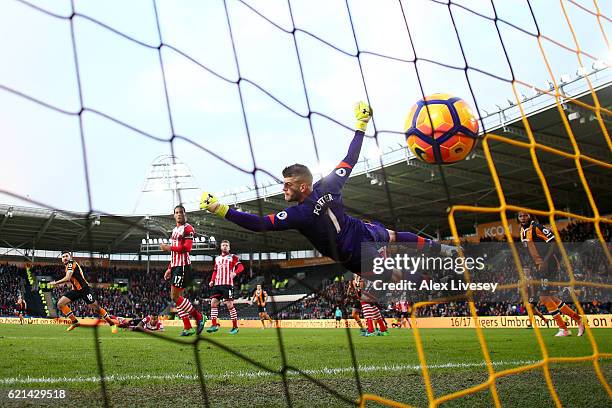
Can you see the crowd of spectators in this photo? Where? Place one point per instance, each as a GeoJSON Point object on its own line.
{"type": "Point", "coordinates": [143, 293]}
{"type": "Point", "coordinates": [147, 292]}
{"type": "Point", "coordinates": [588, 261]}
{"type": "Point", "coordinates": [11, 285]}
{"type": "Point", "coordinates": [323, 304]}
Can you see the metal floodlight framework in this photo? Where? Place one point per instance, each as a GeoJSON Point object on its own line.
{"type": "Point", "coordinates": [168, 173]}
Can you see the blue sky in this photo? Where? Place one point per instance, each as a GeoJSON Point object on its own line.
{"type": "Point", "coordinates": [42, 156]}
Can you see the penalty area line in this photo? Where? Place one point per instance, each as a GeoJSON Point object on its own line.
{"type": "Point", "coordinates": [249, 374]}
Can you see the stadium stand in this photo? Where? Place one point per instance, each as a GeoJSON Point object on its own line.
{"type": "Point", "coordinates": [12, 281]}
{"type": "Point", "coordinates": [322, 286]}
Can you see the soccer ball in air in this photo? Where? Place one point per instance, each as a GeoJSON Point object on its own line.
{"type": "Point", "coordinates": [453, 133]}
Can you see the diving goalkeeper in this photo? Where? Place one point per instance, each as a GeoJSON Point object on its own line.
{"type": "Point", "coordinates": [320, 214]}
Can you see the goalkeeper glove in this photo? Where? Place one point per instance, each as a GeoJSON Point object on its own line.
{"type": "Point", "coordinates": [210, 203]}
{"type": "Point", "coordinates": [363, 113]}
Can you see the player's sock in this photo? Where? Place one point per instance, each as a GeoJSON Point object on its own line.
{"type": "Point", "coordinates": [104, 315]}
{"type": "Point", "coordinates": [370, 324]}
{"type": "Point", "coordinates": [566, 310]}
{"type": "Point", "coordinates": [551, 306]}
{"type": "Point", "coordinates": [422, 243]}
{"type": "Point", "coordinates": [214, 312]}
{"type": "Point", "coordinates": [558, 319]}
{"type": "Point", "coordinates": [185, 305]}
{"type": "Point", "coordinates": [381, 322]}
{"type": "Point", "coordinates": [185, 317]}
{"type": "Point", "coordinates": [68, 313]}
{"type": "Point", "coordinates": [234, 316]}
{"type": "Point", "coordinates": [368, 313]}
{"type": "Point", "coordinates": [262, 323]}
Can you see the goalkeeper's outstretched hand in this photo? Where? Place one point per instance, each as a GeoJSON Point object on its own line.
{"type": "Point", "coordinates": [363, 114]}
{"type": "Point", "coordinates": [210, 203]}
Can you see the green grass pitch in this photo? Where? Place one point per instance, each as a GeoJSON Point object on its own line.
{"type": "Point", "coordinates": [143, 370]}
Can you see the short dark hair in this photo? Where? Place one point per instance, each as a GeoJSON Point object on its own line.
{"type": "Point", "coordinates": [179, 206]}
{"type": "Point", "coordinates": [298, 170]}
{"type": "Point", "coordinates": [65, 251]}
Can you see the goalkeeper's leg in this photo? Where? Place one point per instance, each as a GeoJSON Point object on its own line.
{"type": "Point", "coordinates": [421, 243]}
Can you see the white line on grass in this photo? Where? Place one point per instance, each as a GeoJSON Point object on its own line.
{"type": "Point", "coordinates": [64, 338]}
{"type": "Point", "coordinates": [249, 374]}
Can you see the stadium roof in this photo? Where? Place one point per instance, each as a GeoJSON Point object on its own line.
{"type": "Point", "coordinates": [406, 193]}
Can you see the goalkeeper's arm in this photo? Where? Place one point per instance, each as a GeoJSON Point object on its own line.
{"type": "Point", "coordinates": [336, 179]}
{"type": "Point", "coordinates": [284, 220]}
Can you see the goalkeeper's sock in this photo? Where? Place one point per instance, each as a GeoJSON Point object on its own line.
{"type": "Point", "coordinates": [68, 313]}
{"type": "Point", "coordinates": [422, 243]}
{"type": "Point", "coordinates": [566, 310]}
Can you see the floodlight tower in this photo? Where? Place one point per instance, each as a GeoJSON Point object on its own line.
{"type": "Point", "coordinates": [168, 175]}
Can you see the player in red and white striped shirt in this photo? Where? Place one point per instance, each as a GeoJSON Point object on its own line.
{"type": "Point", "coordinates": [180, 270]}
{"type": "Point", "coordinates": [227, 267]}
{"type": "Point", "coordinates": [150, 323]}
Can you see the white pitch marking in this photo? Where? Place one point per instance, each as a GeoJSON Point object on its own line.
{"type": "Point", "coordinates": [249, 374]}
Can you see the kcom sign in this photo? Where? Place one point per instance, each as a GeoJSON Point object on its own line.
{"type": "Point", "coordinates": [496, 230]}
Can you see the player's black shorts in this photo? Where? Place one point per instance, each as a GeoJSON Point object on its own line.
{"type": "Point", "coordinates": [181, 276]}
{"type": "Point", "coordinates": [405, 315]}
{"type": "Point", "coordinates": [357, 304]}
{"type": "Point", "coordinates": [338, 318]}
{"type": "Point", "coordinates": [261, 309]}
{"type": "Point", "coordinates": [86, 294]}
{"type": "Point", "coordinates": [549, 273]}
{"type": "Point", "coordinates": [225, 292]}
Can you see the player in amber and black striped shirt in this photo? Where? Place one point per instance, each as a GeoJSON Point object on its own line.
{"type": "Point", "coordinates": [21, 309]}
{"type": "Point", "coordinates": [540, 243]}
{"type": "Point", "coordinates": [260, 297]}
{"type": "Point", "coordinates": [80, 290]}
